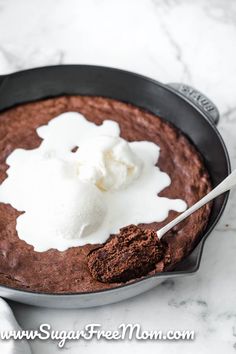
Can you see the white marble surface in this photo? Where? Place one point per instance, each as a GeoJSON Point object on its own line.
{"type": "Point", "coordinates": [173, 40]}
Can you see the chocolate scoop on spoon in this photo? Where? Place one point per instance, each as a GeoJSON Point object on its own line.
{"type": "Point", "coordinates": [134, 252]}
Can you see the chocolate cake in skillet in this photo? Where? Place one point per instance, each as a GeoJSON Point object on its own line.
{"type": "Point", "coordinates": [67, 271]}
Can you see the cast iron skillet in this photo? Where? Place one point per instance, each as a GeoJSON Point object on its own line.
{"type": "Point", "coordinates": [183, 106]}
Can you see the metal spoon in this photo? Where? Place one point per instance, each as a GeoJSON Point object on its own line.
{"type": "Point", "coordinates": [131, 258]}
{"type": "Point", "coordinates": [227, 184]}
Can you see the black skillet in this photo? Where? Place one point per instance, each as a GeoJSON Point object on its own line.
{"type": "Point", "coordinates": [186, 108]}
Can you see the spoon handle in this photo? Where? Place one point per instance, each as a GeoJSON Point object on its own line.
{"type": "Point", "coordinates": [228, 183]}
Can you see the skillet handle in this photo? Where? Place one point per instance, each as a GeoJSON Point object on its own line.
{"type": "Point", "coordinates": [198, 100]}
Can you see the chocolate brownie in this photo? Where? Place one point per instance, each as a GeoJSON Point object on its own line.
{"type": "Point", "coordinates": [132, 253]}
{"type": "Point", "coordinates": [65, 272]}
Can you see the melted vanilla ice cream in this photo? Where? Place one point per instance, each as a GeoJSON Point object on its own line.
{"type": "Point", "coordinates": [73, 198]}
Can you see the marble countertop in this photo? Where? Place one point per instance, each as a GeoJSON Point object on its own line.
{"type": "Point", "coordinates": [193, 42]}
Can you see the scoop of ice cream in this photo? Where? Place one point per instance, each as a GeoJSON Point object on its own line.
{"type": "Point", "coordinates": [58, 207]}
{"type": "Point", "coordinates": [108, 162]}
{"type": "Point", "coordinates": [79, 213]}
{"type": "Point", "coordinates": [75, 212]}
